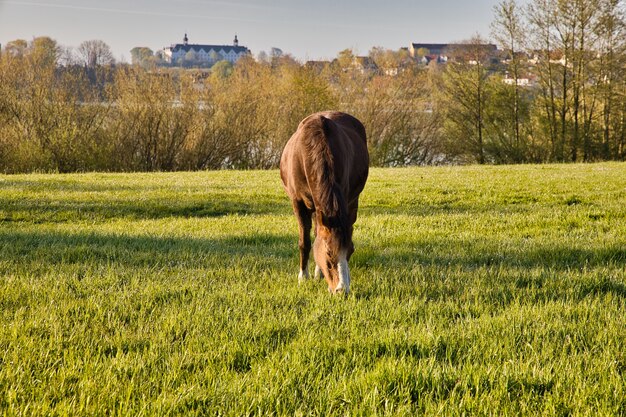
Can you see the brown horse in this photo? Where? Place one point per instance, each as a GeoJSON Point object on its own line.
{"type": "Point", "coordinates": [324, 167]}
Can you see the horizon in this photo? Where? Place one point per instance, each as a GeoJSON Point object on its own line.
{"type": "Point", "coordinates": [307, 32]}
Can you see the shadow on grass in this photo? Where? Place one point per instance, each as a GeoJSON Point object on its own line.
{"type": "Point", "coordinates": [603, 286]}
{"type": "Point", "coordinates": [566, 272]}
{"type": "Point", "coordinates": [447, 253]}
{"type": "Point", "coordinates": [61, 211]}
{"type": "Point", "coordinates": [54, 248]}
{"type": "Point", "coordinates": [59, 199]}
{"type": "Point", "coordinates": [77, 201]}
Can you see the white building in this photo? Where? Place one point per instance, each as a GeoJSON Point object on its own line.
{"type": "Point", "coordinates": [521, 82]}
{"type": "Point", "coordinates": [178, 53]}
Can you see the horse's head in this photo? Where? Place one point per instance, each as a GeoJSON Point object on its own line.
{"type": "Point", "coordinates": [332, 250]}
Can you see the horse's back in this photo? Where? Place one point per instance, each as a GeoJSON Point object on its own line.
{"type": "Point", "coordinates": [348, 123]}
{"type": "Point", "coordinates": [349, 147]}
{"type": "Point", "coordinates": [343, 136]}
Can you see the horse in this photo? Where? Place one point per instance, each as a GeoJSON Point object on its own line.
{"type": "Point", "coordinates": [324, 167]}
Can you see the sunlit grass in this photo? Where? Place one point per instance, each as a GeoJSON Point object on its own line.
{"type": "Point", "coordinates": [476, 290]}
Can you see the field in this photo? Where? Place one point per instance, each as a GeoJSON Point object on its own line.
{"type": "Point", "coordinates": [475, 290]}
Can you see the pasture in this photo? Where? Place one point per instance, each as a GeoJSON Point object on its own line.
{"type": "Point", "coordinates": [475, 290]}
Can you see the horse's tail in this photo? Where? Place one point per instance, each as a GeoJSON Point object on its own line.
{"type": "Point", "coordinates": [320, 172]}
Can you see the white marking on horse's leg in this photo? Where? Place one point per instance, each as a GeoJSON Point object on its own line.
{"type": "Point", "coordinates": [344, 273]}
{"type": "Point", "coordinates": [318, 272]}
{"type": "Point", "coordinates": [303, 275]}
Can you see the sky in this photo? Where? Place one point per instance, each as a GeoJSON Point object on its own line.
{"type": "Point", "coordinates": [306, 29]}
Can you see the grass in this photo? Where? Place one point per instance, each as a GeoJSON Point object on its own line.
{"type": "Point", "coordinates": [476, 290]}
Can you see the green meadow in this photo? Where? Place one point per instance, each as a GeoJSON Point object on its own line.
{"type": "Point", "coordinates": [479, 290]}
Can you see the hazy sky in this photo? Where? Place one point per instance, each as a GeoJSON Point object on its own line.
{"type": "Point", "coordinates": [306, 29]}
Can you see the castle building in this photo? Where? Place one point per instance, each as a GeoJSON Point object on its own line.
{"type": "Point", "coordinates": [179, 53]}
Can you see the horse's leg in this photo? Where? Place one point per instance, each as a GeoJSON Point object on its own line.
{"type": "Point", "coordinates": [303, 215]}
{"type": "Point", "coordinates": [318, 271]}
{"type": "Point", "coordinates": [352, 210]}
{"type": "Point", "coordinates": [345, 253]}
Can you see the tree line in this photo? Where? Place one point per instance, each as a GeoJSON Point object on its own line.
{"type": "Point", "coordinates": [554, 92]}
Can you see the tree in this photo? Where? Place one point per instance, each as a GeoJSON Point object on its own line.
{"type": "Point", "coordinates": [402, 123]}
{"type": "Point", "coordinates": [508, 30]}
{"type": "Point", "coordinates": [214, 57]}
{"type": "Point", "coordinates": [508, 112]}
{"type": "Point", "coordinates": [300, 92]}
{"type": "Point", "coordinates": [222, 69]}
{"type": "Point", "coordinates": [190, 59]}
{"type": "Point", "coordinates": [610, 30]}
{"type": "Point", "coordinates": [346, 58]}
{"type": "Point", "coordinates": [388, 60]}
{"type": "Point", "coordinates": [49, 119]}
{"type": "Point", "coordinates": [275, 53]}
{"type": "Point", "coordinates": [16, 48]}
{"type": "Point", "coordinates": [262, 56]}
{"type": "Point", "coordinates": [581, 14]}
{"type": "Point", "coordinates": [421, 52]}
{"type": "Point", "coordinates": [67, 57]}
{"type": "Point", "coordinates": [250, 114]}
{"type": "Point", "coordinates": [153, 121]}
{"type": "Point", "coordinates": [44, 51]}
{"type": "Point", "coordinates": [95, 53]}
{"type": "Point", "coordinates": [566, 32]}
{"type": "Point", "coordinates": [465, 100]}
{"type": "Point", "coordinates": [142, 55]}
{"type": "Point", "coordinates": [206, 147]}
{"type": "Point", "coordinates": [541, 15]}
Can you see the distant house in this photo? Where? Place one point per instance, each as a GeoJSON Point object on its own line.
{"type": "Point", "coordinates": [205, 55]}
{"type": "Point", "coordinates": [427, 59]}
{"type": "Point", "coordinates": [317, 66]}
{"type": "Point", "coordinates": [418, 50]}
{"type": "Point", "coordinates": [553, 57]}
{"type": "Point", "coordinates": [425, 53]}
{"type": "Point", "coordinates": [362, 64]}
{"type": "Point", "coordinates": [526, 79]}
{"type": "Point", "coordinates": [365, 65]}
{"type": "Point", "coordinates": [506, 57]}
{"type": "Point", "coordinates": [521, 82]}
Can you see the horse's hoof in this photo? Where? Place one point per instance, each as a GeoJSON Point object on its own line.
{"type": "Point", "coordinates": [303, 276]}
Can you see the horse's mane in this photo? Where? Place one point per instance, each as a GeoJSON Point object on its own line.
{"type": "Point", "coordinates": [320, 166]}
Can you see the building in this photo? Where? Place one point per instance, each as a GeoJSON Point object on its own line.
{"type": "Point", "coordinates": [425, 53]}
{"type": "Point", "coordinates": [317, 66]}
{"type": "Point", "coordinates": [430, 49]}
{"type": "Point", "coordinates": [203, 55]}
{"type": "Point", "coordinates": [365, 65]}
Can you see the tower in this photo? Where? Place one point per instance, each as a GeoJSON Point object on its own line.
{"type": "Point", "coordinates": [236, 41]}
{"type": "Point", "coordinates": [185, 40]}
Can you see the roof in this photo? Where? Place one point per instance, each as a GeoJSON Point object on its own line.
{"type": "Point", "coordinates": [430, 46]}
{"type": "Point", "coordinates": [440, 46]}
{"type": "Point", "coordinates": [196, 47]}
{"type": "Point", "coordinates": [365, 61]}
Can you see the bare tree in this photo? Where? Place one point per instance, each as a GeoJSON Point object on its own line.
{"type": "Point", "coordinates": [541, 15]}
{"type": "Point", "coordinates": [508, 30]}
{"type": "Point", "coordinates": [95, 53]}
{"type": "Point", "coordinates": [582, 15]}
{"type": "Point", "coordinates": [610, 29]}
{"type": "Point", "coordinates": [465, 98]}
